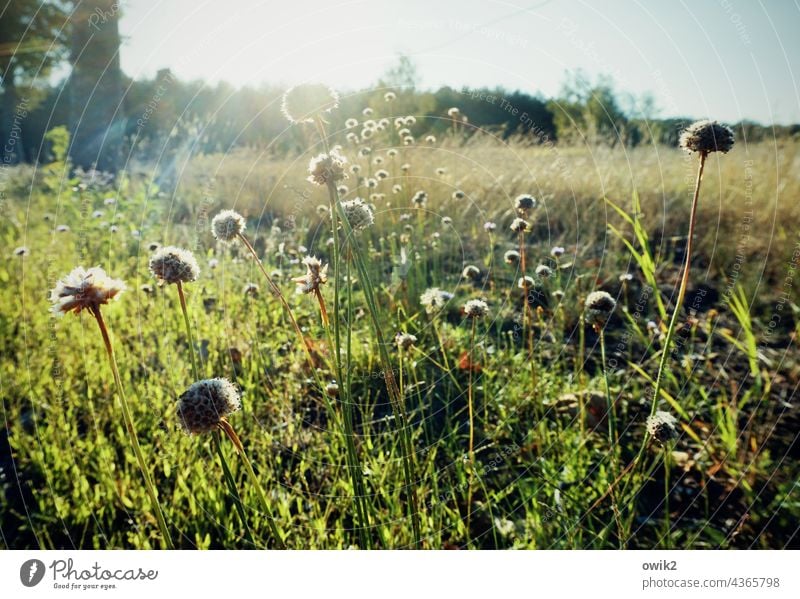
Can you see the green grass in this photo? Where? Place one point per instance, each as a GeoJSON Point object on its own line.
{"type": "Point", "coordinates": [542, 477]}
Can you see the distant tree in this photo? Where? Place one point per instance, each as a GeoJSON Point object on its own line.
{"type": "Point", "coordinates": [31, 44]}
{"type": "Point", "coordinates": [97, 121]}
{"type": "Point", "coordinates": [403, 75]}
{"type": "Point", "coordinates": [589, 113]}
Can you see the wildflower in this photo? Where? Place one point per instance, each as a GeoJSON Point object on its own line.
{"type": "Point", "coordinates": [84, 289]}
{"type": "Point", "coordinates": [352, 138]}
{"type": "Point", "coordinates": [146, 288]}
{"type": "Point", "coordinates": [316, 275]}
{"type": "Point", "coordinates": [409, 120]}
{"type": "Point", "coordinates": [351, 123]}
{"type": "Point", "coordinates": [22, 252]}
{"type": "Point", "coordinates": [557, 251]}
{"type": "Point", "coordinates": [382, 174]}
{"type": "Point", "coordinates": [511, 257]}
{"type": "Point", "coordinates": [458, 194]}
{"type": "Point", "coordinates": [114, 228]}
{"type": "Point", "coordinates": [662, 426]}
{"type": "Point", "coordinates": [441, 171]}
{"type": "Point", "coordinates": [303, 103]}
{"type": "Point", "coordinates": [526, 282]}
{"type": "Point", "coordinates": [408, 140]}
{"type": "Point", "coordinates": [476, 308]}
{"type": "Point", "coordinates": [391, 153]}
{"type": "Point", "coordinates": [227, 225]}
{"type": "Point", "coordinates": [371, 183]}
{"type": "Point", "coordinates": [62, 228]}
{"type": "Point", "coordinates": [153, 246]}
{"type": "Point", "coordinates": [250, 290]}
{"type": "Point", "coordinates": [489, 226]}
{"type": "Point", "coordinates": [405, 167]}
{"type": "Point", "coordinates": [558, 294]}
{"type": "Point", "coordinates": [706, 136]}
{"type": "Point", "coordinates": [434, 299]}
{"type": "Point", "coordinates": [625, 277]}
{"type": "Point", "coordinates": [332, 389]}
{"type": "Point", "coordinates": [389, 96]}
{"type": "Point", "coordinates": [97, 214]}
{"type": "Point", "coordinates": [110, 201]}
{"type": "Point", "coordinates": [453, 112]}
{"type": "Point", "coordinates": [447, 221]}
{"type": "Point", "coordinates": [326, 168]}
{"type": "Point", "coordinates": [367, 111]}
{"type": "Point", "coordinates": [430, 139]}
{"type": "Point", "coordinates": [420, 199]}
{"type": "Point", "coordinates": [471, 272]}
{"type": "Point", "coordinates": [358, 214]}
{"type": "Point", "coordinates": [276, 274]}
{"type": "Point", "coordinates": [543, 271]}
{"type": "Point", "coordinates": [397, 188]}
{"type": "Point", "coordinates": [405, 340]}
{"type": "Point", "coordinates": [520, 225]}
{"type": "Point", "coordinates": [205, 404]}
{"type": "Point", "coordinates": [524, 203]}
{"type": "Point", "coordinates": [599, 306]}
{"type": "Point", "coordinates": [173, 265]}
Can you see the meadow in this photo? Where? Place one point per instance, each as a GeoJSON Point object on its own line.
{"type": "Point", "coordinates": [505, 415]}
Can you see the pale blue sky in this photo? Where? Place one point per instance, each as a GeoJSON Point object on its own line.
{"type": "Point", "coordinates": [725, 59]}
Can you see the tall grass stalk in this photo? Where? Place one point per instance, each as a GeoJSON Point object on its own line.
{"type": "Point", "coordinates": [226, 470]}
{"type": "Point", "coordinates": [391, 384]}
{"type": "Point", "coordinates": [127, 416]}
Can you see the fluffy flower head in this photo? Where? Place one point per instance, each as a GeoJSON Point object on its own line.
{"type": "Point", "coordinates": [706, 136]}
{"type": "Point", "coordinates": [301, 104]}
{"type": "Point", "coordinates": [227, 225]}
{"type": "Point", "coordinates": [174, 265]}
{"type": "Point", "coordinates": [327, 168]}
{"type": "Point", "coordinates": [203, 405]}
{"type": "Point", "coordinates": [82, 289]}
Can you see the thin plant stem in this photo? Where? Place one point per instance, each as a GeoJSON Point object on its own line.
{"type": "Point", "coordinates": [187, 322]}
{"type": "Point", "coordinates": [676, 312]}
{"type": "Point", "coordinates": [396, 399]}
{"type": "Point", "coordinates": [229, 481]}
{"type": "Point", "coordinates": [263, 499]}
{"type": "Point", "coordinates": [237, 499]}
{"type": "Point", "coordinates": [612, 430]}
{"type": "Point", "coordinates": [682, 290]}
{"type": "Point", "coordinates": [471, 432]}
{"type": "Point", "coordinates": [667, 525]}
{"type": "Point", "coordinates": [127, 416]}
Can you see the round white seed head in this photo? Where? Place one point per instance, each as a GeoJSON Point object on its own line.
{"type": "Point", "coordinates": [405, 340]}
{"type": "Point", "coordinates": [82, 289]}
{"type": "Point", "coordinates": [303, 103]}
{"type": "Point", "coordinates": [599, 307]}
{"type": "Point", "coordinates": [707, 136]}
{"type": "Point", "coordinates": [662, 426]}
{"type": "Point", "coordinates": [476, 308]}
{"type": "Point", "coordinates": [203, 405]}
{"type": "Point", "coordinates": [173, 265]}
{"type": "Point", "coordinates": [434, 299]}
{"type": "Point", "coordinates": [227, 225]}
{"type": "Point", "coordinates": [525, 203]}
{"type": "Point", "coordinates": [358, 214]}
{"type": "Point", "coordinates": [520, 225]}
{"type": "Point", "coordinates": [471, 272]}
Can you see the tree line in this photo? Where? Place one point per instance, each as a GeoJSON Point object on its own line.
{"type": "Point", "coordinates": [111, 119]}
